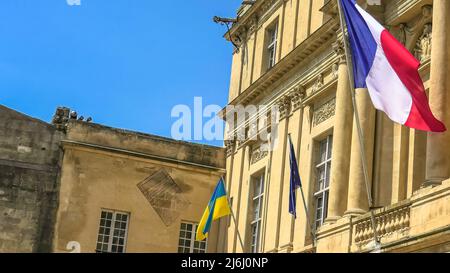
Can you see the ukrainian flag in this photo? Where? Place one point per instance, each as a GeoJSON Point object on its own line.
{"type": "Point", "coordinates": [218, 207]}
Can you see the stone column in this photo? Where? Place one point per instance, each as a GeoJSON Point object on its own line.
{"type": "Point", "coordinates": [342, 134]}
{"type": "Point", "coordinates": [357, 202]}
{"type": "Point", "coordinates": [438, 153]}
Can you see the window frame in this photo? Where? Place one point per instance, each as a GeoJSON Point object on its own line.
{"type": "Point", "coordinates": [256, 222]}
{"type": "Point", "coordinates": [322, 194]}
{"type": "Point", "coordinates": [271, 46]}
{"type": "Point", "coordinates": [112, 229]}
{"type": "Point", "coordinates": [192, 240]}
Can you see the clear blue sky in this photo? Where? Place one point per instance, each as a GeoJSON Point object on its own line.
{"type": "Point", "coordinates": [126, 63]}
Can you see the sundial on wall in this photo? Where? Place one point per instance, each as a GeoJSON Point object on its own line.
{"type": "Point", "coordinates": [164, 195]}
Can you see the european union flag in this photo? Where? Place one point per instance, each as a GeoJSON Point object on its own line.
{"type": "Point", "coordinates": [217, 207]}
{"type": "Point", "coordinates": [295, 181]}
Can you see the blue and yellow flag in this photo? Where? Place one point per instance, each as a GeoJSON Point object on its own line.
{"type": "Point", "coordinates": [217, 207]}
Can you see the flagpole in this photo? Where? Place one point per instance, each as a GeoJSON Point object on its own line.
{"type": "Point", "coordinates": [311, 227]}
{"type": "Point", "coordinates": [234, 220]}
{"type": "Point", "coordinates": [358, 123]}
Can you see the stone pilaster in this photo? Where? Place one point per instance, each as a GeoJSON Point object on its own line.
{"type": "Point", "coordinates": [340, 163]}
{"type": "Point", "coordinates": [438, 155]}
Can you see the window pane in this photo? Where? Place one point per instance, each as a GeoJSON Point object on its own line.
{"type": "Point", "coordinates": [109, 215]}
{"type": "Point", "coordinates": [327, 179]}
{"type": "Point", "coordinates": [256, 209]}
{"type": "Point", "coordinates": [323, 152]}
{"type": "Point", "coordinates": [330, 147]}
{"type": "Point", "coordinates": [325, 207]}
{"type": "Point", "coordinates": [257, 188]}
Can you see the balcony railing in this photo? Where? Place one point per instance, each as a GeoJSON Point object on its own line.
{"type": "Point", "coordinates": [389, 221]}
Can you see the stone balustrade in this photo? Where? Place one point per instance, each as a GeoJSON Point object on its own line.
{"type": "Point", "coordinates": [388, 221]}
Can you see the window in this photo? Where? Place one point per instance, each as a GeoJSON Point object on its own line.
{"type": "Point", "coordinates": [187, 242]}
{"type": "Point", "coordinates": [323, 181]}
{"type": "Point", "coordinates": [272, 34]}
{"type": "Point", "coordinates": [112, 233]}
{"type": "Point", "coordinates": [256, 215]}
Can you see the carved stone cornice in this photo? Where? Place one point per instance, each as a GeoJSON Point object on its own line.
{"type": "Point", "coordinates": [302, 53]}
{"type": "Point", "coordinates": [254, 16]}
{"type": "Point", "coordinates": [330, 8]}
{"type": "Point", "coordinates": [396, 10]}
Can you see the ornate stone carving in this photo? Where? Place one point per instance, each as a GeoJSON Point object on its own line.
{"type": "Point", "coordinates": [266, 6]}
{"type": "Point", "coordinates": [239, 36]}
{"type": "Point", "coordinates": [423, 46]}
{"type": "Point", "coordinates": [253, 23]}
{"type": "Point", "coordinates": [284, 106]}
{"type": "Point", "coordinates": [253, 130]}
{"type": "Point", "coordinates": [338, 48]}
{"type": "Point", "coordinates": [61, 118]}
{"type": "Point", "coordinates": [401, 33]}
{"type": "Point", "coordinates": [297, 94]}
{"type": "Point", "coordinates": [258, 154]}
{"type": "Point", "coordinates": [324, 112]}
{"type": "Point", "coordinates": [335, 70]}
{"type": "Point", "coordinates": [164, 195]}
{"type": "Point", "coordinates": [240, 133]}
{"type": "Point", "coordinates": [410, 33]}
{"type": "Point", "coordinates": [229, 147]}
{"type": "Point", "coordinates": [318, 83]}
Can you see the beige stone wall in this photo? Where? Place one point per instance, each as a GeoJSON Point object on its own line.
{"type": "Point", "coordinates": [296, 20]}
{"type": "Point", "coordinates": [309, 82]}
{"type": "Point", "coordinates": [101, 170]}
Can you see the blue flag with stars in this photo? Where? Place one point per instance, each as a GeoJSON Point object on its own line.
{"type": "Point", "coordinates": [295, 181]}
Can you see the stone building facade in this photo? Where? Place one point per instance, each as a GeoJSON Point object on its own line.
{"type": "Point", "coordinates": [29, 182]}
{"type": "Point", "coordinates": [124, 191]}
{"type": "Point", "coordinates": [76, 186]}
{"type": "Point", "coordinates": [289, 54]}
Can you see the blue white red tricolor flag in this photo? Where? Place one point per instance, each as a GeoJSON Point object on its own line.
{"type": "Point", "coordinates": [388, 70]}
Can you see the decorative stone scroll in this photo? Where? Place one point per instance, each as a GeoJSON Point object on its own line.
{"type": "Point", "coordinates": [324, 112]}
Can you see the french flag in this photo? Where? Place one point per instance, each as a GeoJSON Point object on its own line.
{"type": "Point", "coordinates": [388, 70]}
